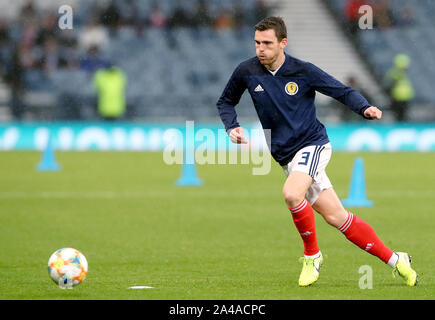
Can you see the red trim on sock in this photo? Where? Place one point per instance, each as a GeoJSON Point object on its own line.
{"type": "Point", "coordinates": [347, 223]}
{"type": "Point", "coordinates": [298, 207]}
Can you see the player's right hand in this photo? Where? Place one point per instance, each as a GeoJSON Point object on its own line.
{"type": "Point", "coordinates": [236, 136]}
{"type": "Point", "coordinates": [373, 113]}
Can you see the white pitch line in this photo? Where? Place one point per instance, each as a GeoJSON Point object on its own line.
{"type": "Point", "coordinates": [196, 193]}
{"type": "Point", "coordinates": [120, 195]}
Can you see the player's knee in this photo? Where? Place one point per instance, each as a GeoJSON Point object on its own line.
{"type": "Point", "coordinates": [292, 198]}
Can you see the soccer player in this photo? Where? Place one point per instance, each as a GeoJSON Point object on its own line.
{"type": "Point", "coordinates": [283, 90]}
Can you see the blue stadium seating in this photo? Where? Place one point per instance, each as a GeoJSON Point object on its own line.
{"type": "Point", "coordinates": [177, 72]}
{"type": "Point", "coordinates": [416, 40]}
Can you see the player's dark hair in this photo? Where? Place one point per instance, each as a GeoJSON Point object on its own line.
{"type": "Point", "coordinates": [275, 23]}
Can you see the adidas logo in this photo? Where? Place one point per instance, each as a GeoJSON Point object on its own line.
{"type": "Point", "coordinates": [369, 246]}
{"type": "Point", "coordinates": [259, 88]}
{"type": "Point", "coordinates": [306, 234]}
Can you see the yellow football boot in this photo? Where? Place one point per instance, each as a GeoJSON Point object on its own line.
{"type": "Point", "coordinates": [404, 270]}
{"type": "Point", "coordinates": [310, 270]}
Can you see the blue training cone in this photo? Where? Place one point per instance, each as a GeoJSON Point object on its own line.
{"type": "Point", "coordinates": [188, 176]}
{"type": "Point", "coordinates": [357, 191]}
{"type": "Point", "coordinates": [48, 158]}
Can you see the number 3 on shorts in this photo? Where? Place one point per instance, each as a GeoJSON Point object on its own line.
{"type": "Point", "coordinates": [305, 157]}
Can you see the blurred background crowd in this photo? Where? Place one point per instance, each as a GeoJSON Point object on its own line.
{"type": "Point", "coordinates": [170, 60]}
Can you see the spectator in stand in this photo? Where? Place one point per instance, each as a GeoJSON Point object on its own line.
{"type": "Point", "coordinates": [110, 84]}
{"type": "Point", "coordinates": [92, 61]}
{"type": "Point", "coordinates": [157, 17]}
{"type": "Point", "coordinates": [51, 59]}
{"type": "Point", "coordinates": [111, 17]}
{"type": "Point", "coordinates": [224, 20]}
{"type": "Point", "coordinates": [179, 17]}
{"type": "Point", "coordinates": [260, 11]}
{"type": "Point", "coordinates": [29, 33]}
{"type": "Point", "coordinates": [5, 45]}
{"type": "Point", "coordinates": [131, 16]}
{"type": "Point", "coordinates": [93, 35]}
{"type": "Point", "coordinates": [28, 12]}
{"type": "Point", "coordinates": [200, 19]}
{"type": "Point", "coordinates": [400, 86]}
{"type": "Point", "coordinates": [383, 14]}
{"type": "Point", "coordinates": [201, 15]}
{"type": "Point", "coordinates": [239, 15]}
{"type": "Point", "coordinates": [26, 55]}
{"type": "Point", "coordinates": [5, 37]}
{"type": "Point", "coordinates": [48, 29]}
{"type": "Point", "coordinates": [15, 79]}
{"type": "Point", "coordinates": [68, 47]}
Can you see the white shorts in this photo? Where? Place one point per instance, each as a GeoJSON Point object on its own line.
{"type": "Point", "coordinates": [312, 160]}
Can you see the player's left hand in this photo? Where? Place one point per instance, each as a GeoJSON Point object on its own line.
{"type": "Point", "coordinates": [373, 113]}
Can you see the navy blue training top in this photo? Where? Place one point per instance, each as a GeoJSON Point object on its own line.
{"type": "Point", "coordinates": [285, 102]}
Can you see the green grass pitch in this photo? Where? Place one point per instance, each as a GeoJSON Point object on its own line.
{"type": "Point", "coordinates": [232, 238]}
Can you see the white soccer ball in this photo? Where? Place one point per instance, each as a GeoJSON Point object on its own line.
{"type": "Point", "coordinates": [67, 267]}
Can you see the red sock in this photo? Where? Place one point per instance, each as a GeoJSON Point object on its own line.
{"type": "Point", "coordinates": [362, 234]}
{"type": "Point", "coordinates": [303, 217]}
